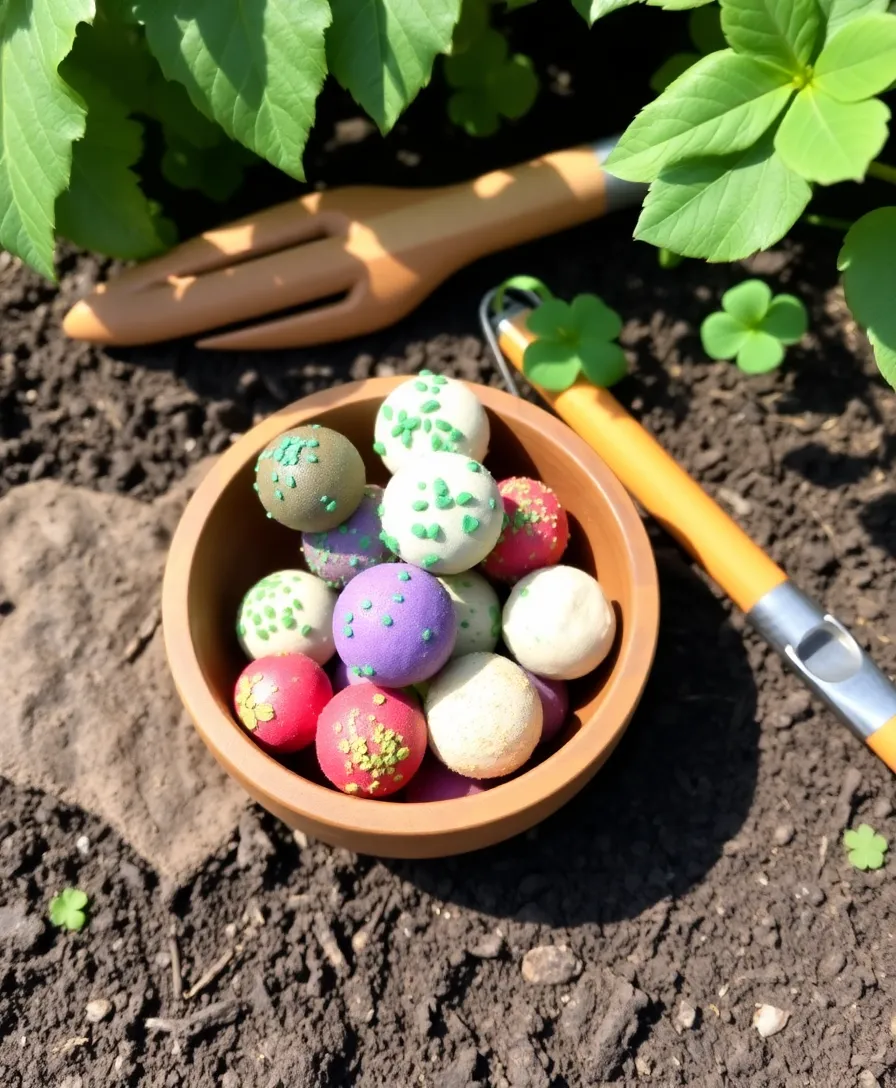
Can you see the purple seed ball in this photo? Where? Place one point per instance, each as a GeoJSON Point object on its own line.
{"type": "Point", "coordinates": [394, 624]}
{"type": "Point", "coordinates": [554, 695]}
{"type": "Point", "coordinates": [339, 554]}
{"type": "Point", "coordinates": [341, 675]}
{"type": "Point", "coordinates": [435, 782]}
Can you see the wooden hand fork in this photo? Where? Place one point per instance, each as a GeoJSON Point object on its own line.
{"type": "Point", "coordinates": [337, 264]}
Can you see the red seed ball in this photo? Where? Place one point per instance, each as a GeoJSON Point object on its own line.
{"type": "Point", "coordinates": [535, 532]}
{"type": "Point", "coordinates": [278, 700]}
{"type": "Point", "coordinates": [371, 740]}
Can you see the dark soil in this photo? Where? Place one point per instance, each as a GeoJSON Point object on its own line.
{"type": "Point", "coordinates": [702, 865]}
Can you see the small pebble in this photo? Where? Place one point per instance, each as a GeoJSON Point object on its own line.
{"type": "Point", "coordinates": [685, 1017]}
{"type": "Point", "coordinates": [882, 808]}
{"type": "Point", "coordinates": [82, 845]}
{"type": "Point", "coordinates": [831, 965]}
{"type": "Point", "coordinates": [769, 1020]}
{"type": "Point", "coordinates": [783, 834]}
{"type": "Point", "coordinates": [98, 1010]}
{"type": "Point", "coordinates": [868, 1080]}
{"type": "Point", "coordinates": [550, 965]}
{"type": "Point", "coordinates": [489, 947]}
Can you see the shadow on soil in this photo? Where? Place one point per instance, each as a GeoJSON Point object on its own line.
{"type": "Point", "coordinates": [655, 818]}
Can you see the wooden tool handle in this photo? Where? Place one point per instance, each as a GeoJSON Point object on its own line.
{"type": "Point", "coordinates": [658, 482]}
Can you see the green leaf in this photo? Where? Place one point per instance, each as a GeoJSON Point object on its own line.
{"type": "Point", "coordinates": [218, 172]}
{"type": "Point", "coordinates": [40, 118]}
{"type": "Point", "coordinates": [603, 363]}
{"type": "Point", "coordinates": [724, 208]}
{"type": "Point", "coordinates": [786, 319]}
{"type": "Point", "coordinates": [256, 68]}
{"type": "Point", "coordinates": [593, 318]}
{"type": "Point", "coordinates": [550, 317]}
{"type": "Point", "coordinates": [759, 353]}
{"type": "Point", "coordinates": [514, 93]}
{"type": "Point", "coordinates": [473, 112]}
{"type": "Point", "coordinates": [472, 67]}
{"type": "Point", "coordinates": [521, 283]}
{"type": "Point", "coordinates": [722, 336]}
{"type": "Point", "coordinates": [382, 51]}
{"type": "Point", "coordinates": [705, 28]}
{"type": "Point", "coordinates": [860, 61]}
{"type": "Point", "coordinates": [748, 302]}
{"type": "Point", "coordinates": [866, 848]}
{"type": "Point", "coordinates": [667, 259]}
{"type": "Point", "coordinates": [838, 13]}
{"type": "Point", "coordinates": [67, 909]}
{"type": "Point", "coordinates": [785, 32]}
{"type": "Point", "coordinates": [724, 103]}
{"type": "Point", "coordinates": [869, 280]}
{"type": "Point", "coordinates": [828, 141]}
{"type": "Point", "coordinates": [121, 11]}
{"type": "Point", "coordinates": [115, 54]}
{"type": "Point", "coordinates": [671, 69]}
{"type": "Point", "coordinates": [677, 5]}
{"type": "Point", "coordinates": [551, 365]}
{"type": "Point", "coordinates": [104, 209]}
{"type": "Point", "coordinates": [592, 10]}
{"type": "Point", "coordinates": [472, 23]}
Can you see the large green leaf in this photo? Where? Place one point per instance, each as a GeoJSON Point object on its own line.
{"type": "Point", "coordinates": [256, 68]}
{"type": "Point", "coordinates": [860, 61]}
{"type": "Point", "coordinates": [869, 280]}
{"type": "Point", "coordinates": [104, 208]}
{"type": "Point", "coordinates": [785, 32]}
{"type": "Point", "coordinates": [592, 10]}
{"type": "Point", "coordinates": [40, 118]}
{"type": "Point", "coordinates": [828, 141]}
{"type": "Point", "coordinates": [382, 51]}
{"type": "Point", "coordinates": [723, 103]}
{"type": "Point", "coordinates": [840, 12]}
{"type": "Point", "coordinates": [726, 207]}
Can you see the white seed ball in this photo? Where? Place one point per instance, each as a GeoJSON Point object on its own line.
{"type": "Point", "coordinates": [430, 414]}
{"type": "Point", "coordinates": [478, 612]}
{"type": "Point", "coordinates": [288, 612]}
{"type": "Point", "coordinates": [558, 623]}
{"type": "Point", "coordinates": [442, 512]}
{"type": "Point", "coordinates": [484, 716]}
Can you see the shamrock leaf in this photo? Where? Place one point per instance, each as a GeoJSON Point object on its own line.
{"type": "Point", "coordinates": [67, 909]}
{"type": "Point", "coordinates": [574, 338]}
{"type": "Point", "coordinates": [488, 85]}
{"type": "Point", "coordinates": [753, 327]}
{"type": "Point", "coordinates": [866, 848]}
{"type": "Point", "coordinates": [869, 280]}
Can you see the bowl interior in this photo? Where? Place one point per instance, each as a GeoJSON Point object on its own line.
{"type": "Point", "coordinates": [225, 543]}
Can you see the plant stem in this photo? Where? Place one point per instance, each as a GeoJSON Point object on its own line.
{"type": "Point", "coordinates": [883, 171]}
{"type": "Point", "coordinates": [830, 221]}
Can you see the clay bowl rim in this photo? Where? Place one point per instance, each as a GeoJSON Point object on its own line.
{"type": "Point", "coordinates": [567, 768]}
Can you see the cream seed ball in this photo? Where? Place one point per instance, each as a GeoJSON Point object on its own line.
{"type": "Point", "coordinates": [442, 512]}
{"type": "Point", "coordinates": [483, 715]}
{"type": "Point", "coordinates": [478, 612]}
{"type": "Point", "coordinates": [430, 414]}
{"type": "Point", "coordinates": [310, 479]}
{"type": "Point", "coordinates": [288, 612]}
{"type": "Point", "coordinates": [558, 623]}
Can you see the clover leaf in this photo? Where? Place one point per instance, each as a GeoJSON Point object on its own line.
{"type": "Point", "coordinates": [869, 280]}
{"type": "Point", "coordinates": [488, 85]}
{"type": "Point", "coordinates": [866, 848]}
{"type": "Point", "coordinates": [753, 327]}
{"type": "Point", "coordinates": [572, 338]}
{"type": "Point", "coordinates": [67, 909]}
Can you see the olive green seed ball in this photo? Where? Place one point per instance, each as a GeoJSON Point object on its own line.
{"type": "Point", "coordinates": [310, 478]}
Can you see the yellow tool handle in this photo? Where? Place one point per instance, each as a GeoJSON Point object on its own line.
{"type": "Point", "coordinates": [658, 482]}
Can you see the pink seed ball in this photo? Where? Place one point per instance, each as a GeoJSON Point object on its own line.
{"type": "Point", "coordinates": [535, 531]}
{"type": "Point", "coordinates": [435, 782]}
{"type": "Point", "coordinates": [278, 700]}
{"type": "Point", "coordinates": [554, 695]}
{"type": "Point", "coordinates": [371, 740]}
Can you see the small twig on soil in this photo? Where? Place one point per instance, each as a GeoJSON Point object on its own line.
{"type": "Point", "coordinates": [842, 812]}
{"type": "Point", "coordinates": [361, 939]}
{"type": "Point", "coordinates": [327, 941]}
{"type": "Point", "coordinates": [212, 1016]}
{"type": "Point", "coordinates": [209, 976]}
{"type": "Point", "coordinates": [144, 633]}
{"type": "Point", "coordinates": [177, 979]}
{"type": "Point", "coordinates": [822, 853]}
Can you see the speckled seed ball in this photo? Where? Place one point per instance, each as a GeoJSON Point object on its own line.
{"type": "Point", "coordinates": [370, 740]}
{"type": "Point", "coordinates": [478, 612]}
{"type": "Point", "coordinates": [442, 513]}
{"type": "Point", "coordinates": [278, 700]}
{"type": "Point", "coordinates": [484, 716]}
{"type": "Point", "coordinates": [554, 695]}
{"type": "Point", "coordinates": [310, 478]}
{"type": "Point", "coordinates": [558, 623]}
{"type": "Point", "coordinates": [290, 611]}
{"type": "Point", "coordinates": [535, 530]}
{"type": "Point", "coordinates": [341, 676]}
{"type": "Point", "coordinates": [434, 782]}
{"type": "Point", "coordinates": [430, 414]}
{"type": "Point", "coordinates": [339, 554]}
{"type": "Point", "coordinates": [394, 624]}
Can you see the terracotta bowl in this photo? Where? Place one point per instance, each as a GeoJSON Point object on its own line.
{"type": "Point", "coordinates": [224, 543]}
